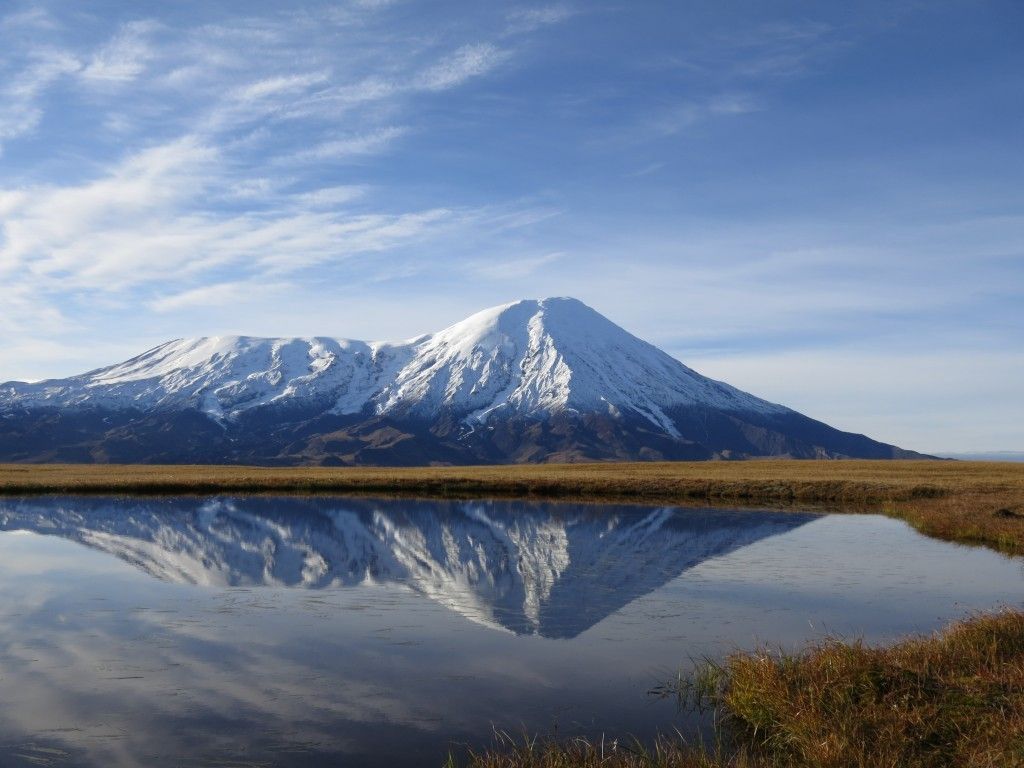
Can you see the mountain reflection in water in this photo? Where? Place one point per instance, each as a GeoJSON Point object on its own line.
{"type": "Point", "coordinates": [531, 569]}
{"type": "Point", "coordinates": [336, 631]}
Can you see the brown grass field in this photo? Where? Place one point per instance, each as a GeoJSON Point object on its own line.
{"type": "Point", "coordinates": [969, 502]}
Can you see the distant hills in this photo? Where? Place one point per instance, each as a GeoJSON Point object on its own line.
{"type": "Point", "coordinates": [547, 380]}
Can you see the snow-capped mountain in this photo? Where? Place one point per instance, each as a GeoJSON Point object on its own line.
{"type": "Point", "coordinates": [530, 569]}
{"type": "Point", "coordinates": [530, 358]}
{"type": "Point", "coordinates": [534, 380]}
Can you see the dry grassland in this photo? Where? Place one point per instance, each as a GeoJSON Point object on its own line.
{"type": "Point", "coordinates": [970, 502]}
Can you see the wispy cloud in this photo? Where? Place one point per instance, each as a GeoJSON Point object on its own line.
{"type": "Point", "coordinates": [467, 62]}
{"type": "Point", "coordinates": [275, 86]}
{"type": "Point", "coordinates": [20, 111]}
{"type": "Point", "coordinates": [24, 313]}
{"type": "Point", "coordinates": [690, 113]}
{"type": "Point", "coordinates": [189, 208]}
{"type": "Point", "coordinates": [728, 74]}
{"type": "Point", "coordinates": [521, 20]}
{"type": "Point", "coordinates": [351, 146]}
{"type": "Point", "coordinates": [125, 57]}
{"type": "Point", "coordinates": [219, 294]}
{"type": "Point", "coordinates": [37, 18]}
{"type": "Point", "coordinates": [140, 225]}
{"type": "Point", "coordinates": [329, 197]}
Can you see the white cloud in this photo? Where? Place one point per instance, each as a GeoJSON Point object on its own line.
{"type": "Point", "coordinates": [20, 112]}
{"type": "Point", "coordinates": [275, 86]}
{"type": "Point", "coordinates": [31, 18]}
{"type": "Point", "coordinates": [467, 62]}
{"type": "Point", "coordinates": [374, 5]}
{"type": "Point", "coordinates": [450, 71]}
{"type": "Point", "coordinates": [522, 20]}
{"type": "Point", "coordinates": [53, 229]}
{"type": "Point", "coordinates": [257, 189]}
{"type": "Point", "coordinates": [352, 146]}
{"type": "Point", "coordinates": [181, 212]}
{"type": "Point", "coordinates": [353, 12]}
{"type": "Point", "coordinates": [303, 240]}
{"type": "Point", "coordinates": [168, 202]}
{"type": "Point", "coordinates": [139, 225]}
{"type": "Point", "coordinates": [125, 57]}
{"type": "Point", "coordinates": [24, 314]}
{"type": "Point", "coordinates": [330, 196]}
{"type": "Point", "coordinates": [218, 294]}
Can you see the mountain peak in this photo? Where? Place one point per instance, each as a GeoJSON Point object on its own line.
{"type": "Point", "coordinates": [505, 384]}
{"type": "Point", "coordinates": [508, 318]}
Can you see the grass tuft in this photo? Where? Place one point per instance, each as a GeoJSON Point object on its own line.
{"type": "Point", "coordinates": [953, 699]}
{"type": "Point", "coordinates": [533, 752]}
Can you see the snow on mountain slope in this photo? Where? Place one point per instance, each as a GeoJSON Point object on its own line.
{"type": "Point", "coordinates": [524, 568]}
{"type": "Point", "coordinates": [529, 358]}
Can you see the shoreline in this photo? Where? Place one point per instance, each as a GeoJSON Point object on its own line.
{"type": "Point", "coordinates": [952, 697]}
{"type": "Point", "coordinates": [979, 503]}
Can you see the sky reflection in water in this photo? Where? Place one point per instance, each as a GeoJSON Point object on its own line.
{"type": "Point", "coordinates": [290, 631]}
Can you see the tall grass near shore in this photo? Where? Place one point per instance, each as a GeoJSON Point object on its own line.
{"type": "Point", "coordinates": [953, 699]}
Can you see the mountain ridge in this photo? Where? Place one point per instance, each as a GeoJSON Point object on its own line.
{"type": "Point", "coordinates": [532, 380]}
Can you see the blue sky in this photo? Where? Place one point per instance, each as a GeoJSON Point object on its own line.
{"type": "Point", "coordinates": [821, 203]}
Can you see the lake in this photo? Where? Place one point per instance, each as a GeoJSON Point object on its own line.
{"type": "Point", "coordinates": [296, 631]}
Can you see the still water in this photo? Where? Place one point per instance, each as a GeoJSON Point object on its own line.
{"type": "Point", "coordinates": [333, 631]}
